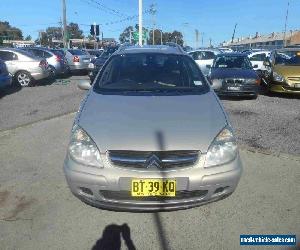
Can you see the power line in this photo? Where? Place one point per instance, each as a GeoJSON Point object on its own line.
{"type": "Point", "coordinates": [102, 7]}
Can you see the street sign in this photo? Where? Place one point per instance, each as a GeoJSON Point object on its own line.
{"type": "Point", "coordinates": [136, 36]}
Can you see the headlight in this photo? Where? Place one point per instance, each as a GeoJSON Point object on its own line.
{"type": "Point", "coordinates": [222, 150]}
{"type": "Point", "coordinates": [277, 77]}
{"type": "Point", "coordinates": [91, 66]}
{"type": "Point", "coordinates": [217, 83]}
{"type": "Point", "coordinates": [82, 148]}
{"type": "Point", "coordinates": [252, 81]}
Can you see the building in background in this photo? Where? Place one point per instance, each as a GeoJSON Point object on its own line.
{"type": "Point", "coordinates": [268, 41]}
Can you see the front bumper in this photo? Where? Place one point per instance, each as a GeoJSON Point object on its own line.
{"type": "Point", "coordinates": [284, 88]}
{"type": "Point", "coordinates": [93, 186]}
{"type": "Point", "coordinates": [244, 90]}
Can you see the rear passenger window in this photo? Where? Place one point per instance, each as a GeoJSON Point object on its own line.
{"type": "Point", "coordinates": [8, 56]}
{"type": "Point", "coordinates": [46, 54]}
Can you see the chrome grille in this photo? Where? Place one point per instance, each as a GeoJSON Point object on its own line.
{"type": "Point", "coordinates": [156, 159]}
{"type": "Point", "coordinates": [234, 81]}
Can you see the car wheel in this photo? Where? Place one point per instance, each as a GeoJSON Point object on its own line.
{"type": "Point", "coordinates": [52, 72]}
{"type": "Point", "coordinates": [24, 79]}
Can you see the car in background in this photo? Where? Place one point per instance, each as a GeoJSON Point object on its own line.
{"type": "Point", "coordinates": [225, 50]}
{"type": "Point", "coordinates": [204, 58]}
{"type": "Point", "coordinates": [5, 76]}
{"type": "Point", "coordinates": [257, 60]}
{"type": "Point", "coordinates": [78, 60]}
{"type": "Point", "coordinates": [284, 71]}
{"type": "Point", "coordinates": [56, 62]}
{"type": "Point", "coordinates": [24, 67]}
{"type": "Point", "coordinates": [151, 135]}
{"type": "Point", "coordinates": [249, 51]}
{"type": "Point", "coordinates": [94, 53]}
{"type": "Point", "coordinates": [97, 63]}
{"type": "Point", "coordinates": [233, 75]}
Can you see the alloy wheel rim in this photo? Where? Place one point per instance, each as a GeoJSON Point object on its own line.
{"type": "Point", "coordinates": [23, 79]}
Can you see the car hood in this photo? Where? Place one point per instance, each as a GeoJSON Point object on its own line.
{"type": "Point", "coordinates": [232, 73]}
{"type": "Point", "coordinates": [287, 71]}
{"type": "Point", "coordinates": [152, 123]}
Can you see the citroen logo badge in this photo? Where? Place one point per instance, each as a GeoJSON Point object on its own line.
{"type": "Point", "coordinates": [153, 161]}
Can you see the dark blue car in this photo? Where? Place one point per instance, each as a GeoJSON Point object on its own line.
{"type": "Point", "coordinates": [5, 77]}
{"type": "Point", "coordinates": [232, 74]}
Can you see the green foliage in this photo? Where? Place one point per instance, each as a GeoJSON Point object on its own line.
{"type": "Point", "coordinates": [10, 32]}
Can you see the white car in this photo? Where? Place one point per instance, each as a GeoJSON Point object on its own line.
{"type": "Point", "coordinates": [204, 58]}
{"type": "Point", "coordinates": [258, 58]}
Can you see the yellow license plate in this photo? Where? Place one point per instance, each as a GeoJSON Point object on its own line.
{"type": "Point", "coordinates": [153, 187]}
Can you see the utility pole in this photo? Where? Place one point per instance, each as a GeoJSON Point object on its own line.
{"type": "Point", "coordinates": [141, 22]}
{"type": "Point", "coordinates": [197, 38]}
{"type": "Point", "coordinates": [64, 14]}
{"type": "Point", "coordinates": [202, 38]}
{"type": "Point", "coordinates": [233, 33]}
{"type": "Point", "coordinates": [285, 25]}
{"type": "Point", "coordinates": [130, 36]}
{"type": "Point", "coordinates": [210, 42]}
{"type": "Point", "coordinates": [153, 12]}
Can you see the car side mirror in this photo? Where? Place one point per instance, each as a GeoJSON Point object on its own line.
{"type": "Point", "coordinates": [84, 85]}
{"type": "Point", "coordinates": [208, 66]}
{"type": "Point", "coordinates": [255, 66]}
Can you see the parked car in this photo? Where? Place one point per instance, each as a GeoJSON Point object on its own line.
{"type": "Point", "coordinates": [5, 77]}
{"type": "Point", "coordinates": [226, 50]}
{"type": "Point", "coordinates": [97, 63]}
{"type": "Point", "coordinates": [250, 51]}
{"type": "Point", "coordinates": [94, 53]}
{"type": "Point", "coordinates": [23, 66]}
{"type": "Point", "coordinates": [233, 75]}
{"type": "Point", "coordinates": [78, 60]}
{"type": "Point", "coordinates": [283, 74]}
{"type": "Point", "coordinates": [56, 62]}
{"type": "Point", "coordinates": [151, 135]}
{"type": "Point", "coordinates": [258, 58]}
{"type": "Point", "coordinates": [204, 58]}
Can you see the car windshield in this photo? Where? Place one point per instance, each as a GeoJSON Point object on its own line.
{"type": "Point", "coordinates": [290, 57]}
{"type": "Point", "coordinates": [77, 52]}
{"type": "Point", "coordinates": [151, 72]}
{"type": "Point", "coordinates": [231, 62]}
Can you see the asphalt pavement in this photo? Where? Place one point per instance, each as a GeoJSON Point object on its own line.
{"type": "Point", "coordinates": [37, 210]}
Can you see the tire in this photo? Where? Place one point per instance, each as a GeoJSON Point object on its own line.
{"type": "Point", "coordinates": [23, 79]}
{"type": "Point", "coordinates": [52, 74]}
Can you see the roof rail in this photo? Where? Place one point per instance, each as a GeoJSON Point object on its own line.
{"type": "Point", "coordinates": [175, 45]}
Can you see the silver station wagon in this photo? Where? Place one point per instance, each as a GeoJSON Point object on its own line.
{"type": "Point", "coordinates": [151, 135]}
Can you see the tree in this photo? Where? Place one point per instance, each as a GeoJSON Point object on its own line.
{"type": "Point", "coordinates": [74, 32]}
{"type": "Point", "coordinates": [28, 38]}
{"type": "Point", "coordinates": [54, 33]}
{"type": "Point", "coordinates": [157, 37]}
{"type": "Point", "coordinates": [125, 35]}
{"type": "Point", "coordinates": [175, 37]}
{"type": "Point", "coordinates": [10, 32]}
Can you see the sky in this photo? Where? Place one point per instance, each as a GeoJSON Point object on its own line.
{"type": "Point", "coordinates": [214, 19]}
